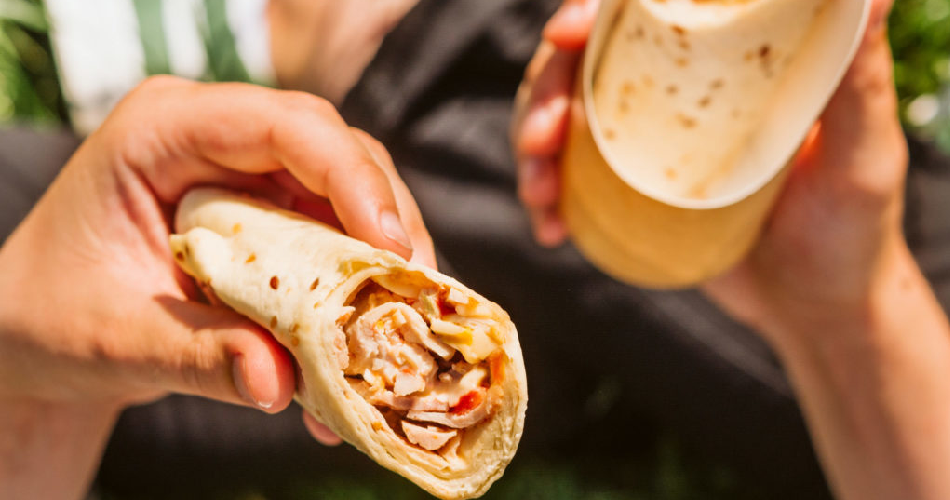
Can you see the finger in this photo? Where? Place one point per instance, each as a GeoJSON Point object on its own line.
{"type": "Point", "coordinates": [319, 431]}
{"type": "Point", "coordinates": [303, 201]}
{"type": "Point", "coordinates": [423, 251]}
{"type": "Point", "coordinates": [255, 130]}
{"type": "Point", "coordinates": [194, 348]}
{"type": "Point", "coordinates": [543, 128]}
{"type": "Point", "coordinates": [548, 226]}
{"type": "Point", "coordinates": [570, 26]}
{"type": "Point", "coordinates": [539, 183]}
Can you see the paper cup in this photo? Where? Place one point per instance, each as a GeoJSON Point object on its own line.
{"type": "Point", "coordinates": [684, 118]}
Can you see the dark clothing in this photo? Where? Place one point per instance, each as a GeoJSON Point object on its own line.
{"type": "Point", "coordinates": [609, 365]}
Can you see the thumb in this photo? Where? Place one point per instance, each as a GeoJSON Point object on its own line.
{"type": "Point", "coordinates": [213, 352]}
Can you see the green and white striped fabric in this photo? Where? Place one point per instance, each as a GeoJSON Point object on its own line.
{"type": "Point", "coordinates": [105, 47]}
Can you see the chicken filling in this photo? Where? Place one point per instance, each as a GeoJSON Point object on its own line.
{"type": "Point", "coordinates": [428, 359]}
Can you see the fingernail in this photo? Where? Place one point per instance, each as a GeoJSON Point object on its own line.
{"type": "Point", "coordinates": [239, 372]}
{"type": "Point", "coordinates": [391, 226]}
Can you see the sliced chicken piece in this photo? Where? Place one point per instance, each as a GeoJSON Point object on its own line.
{"type": "Point", "coordinates": [480, 409]}
{"type": "Point", "coordinates": [452, 387]}
{"type": "Point", "coordinates": [429, 437]}
{"type": "Point", "coordinates": [376, 343]}
{"type": "Point", "coordinates": [416, 331]}
{"type": "Point", "coordinates": [390, 400]}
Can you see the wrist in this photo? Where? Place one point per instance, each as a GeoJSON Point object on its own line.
{"type": "Point", "coordinates": [51, 450]}
{"type": "Point", "coordinates": [872, 381]}
{"type": "Point", "coordinates": [854, 310]}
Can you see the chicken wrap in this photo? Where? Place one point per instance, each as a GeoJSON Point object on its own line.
{"type": "Point", "coordinates": [406, 364]}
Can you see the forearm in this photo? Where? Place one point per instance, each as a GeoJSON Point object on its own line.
{"type": "Point", "coordinates": [50, 450]}
{"type": "Point", "coordinates": [875, 389]}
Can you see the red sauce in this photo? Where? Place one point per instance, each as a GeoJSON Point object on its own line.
{"type": "Point", "coordinates": [467, 402]}
{"type": "Point", "coordinates": [445, 308]}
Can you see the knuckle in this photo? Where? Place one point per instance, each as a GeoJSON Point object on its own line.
{"type": "Point", "coordinates": [194, 365]}
{"type": "Point", "coordinates": [158, 83]}
{"type": "Point", "coordinates": [303, 101]}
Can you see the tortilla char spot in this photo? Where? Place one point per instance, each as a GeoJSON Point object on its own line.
{"type": "Point", "coordinates": [294, 328]}
{"type": "Point", "coordinates": [316, 304]}
{"type": "Point", "coordinates": [716, 84]}
{"type": "Point", "coordinates": [682, 62]}
{"type": "Point", "coordinates": [316, 281]}
{"type": "Point", "coordinates": [273, 321]}
{"type": "Point", "coordinates": [658, 40]}
{"type": "Point", "coordinates": [628, 88]}
{"type": "Point", "coordinates": [765, 51]}
{"type": "Point", "coordinates": [640, 32]}
{"type": "Point", "coordinates": [704, 102]}
{"type": "Point", "coordinates": [670, 173]}
{"type": "Point", "coordinates": [237, 228]}
{"type": "Point", "coordinates": [683, 44]}
{"type": "Point", "coordinates": [672, 89]}
{"type": "Point", "coordinates": [686, 121]}
{"type": "Point", "coordinates": [749, 55]}
{"type": "Point", "coordinates": [377, 426]}
{"type": "Point", "coordinates": [274, 282]}
{"type": "Point", "coordinates": [179, 256]}
{"type": "Point", "coordinates": [609, 134]}
{"type": "Point", "coordinates": [295, 341]}
{"type": "Point", "coordinates": [679, 30]}
{"type": "Point", "coordinates": [698, 192]}
{"type": "Point", "coordinates": [623, 106]}
{"type": "Point", "coordinates": [250, 258]}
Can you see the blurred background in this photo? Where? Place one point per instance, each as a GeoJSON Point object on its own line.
{"type": "Point", "coordinates": [658, 467]}
{"type": "Point", "coordinates": [919, 31]}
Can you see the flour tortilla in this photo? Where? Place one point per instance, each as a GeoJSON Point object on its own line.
{"type": "Point", "coordinates": [699, 103]}
{"type": "Point", "coordinates": [295, 276]}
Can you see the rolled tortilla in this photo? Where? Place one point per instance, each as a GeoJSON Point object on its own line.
{"type": "Point", "coordinates": [408, 365]}
{"type": "Point", "coordinates": [684, 85]}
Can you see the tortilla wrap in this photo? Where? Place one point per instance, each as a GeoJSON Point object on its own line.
{"type": "Point", "coordinates": [684, 118]}
{"type": "Point", "coordinates": [681, 86]}
{"type": "Point", "coordinates": [406, 364]}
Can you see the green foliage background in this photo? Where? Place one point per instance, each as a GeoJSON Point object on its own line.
{"type": "Point", "coordinates": [920, 36]}
{"type": "Point", "coordinates": [29, 90]}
